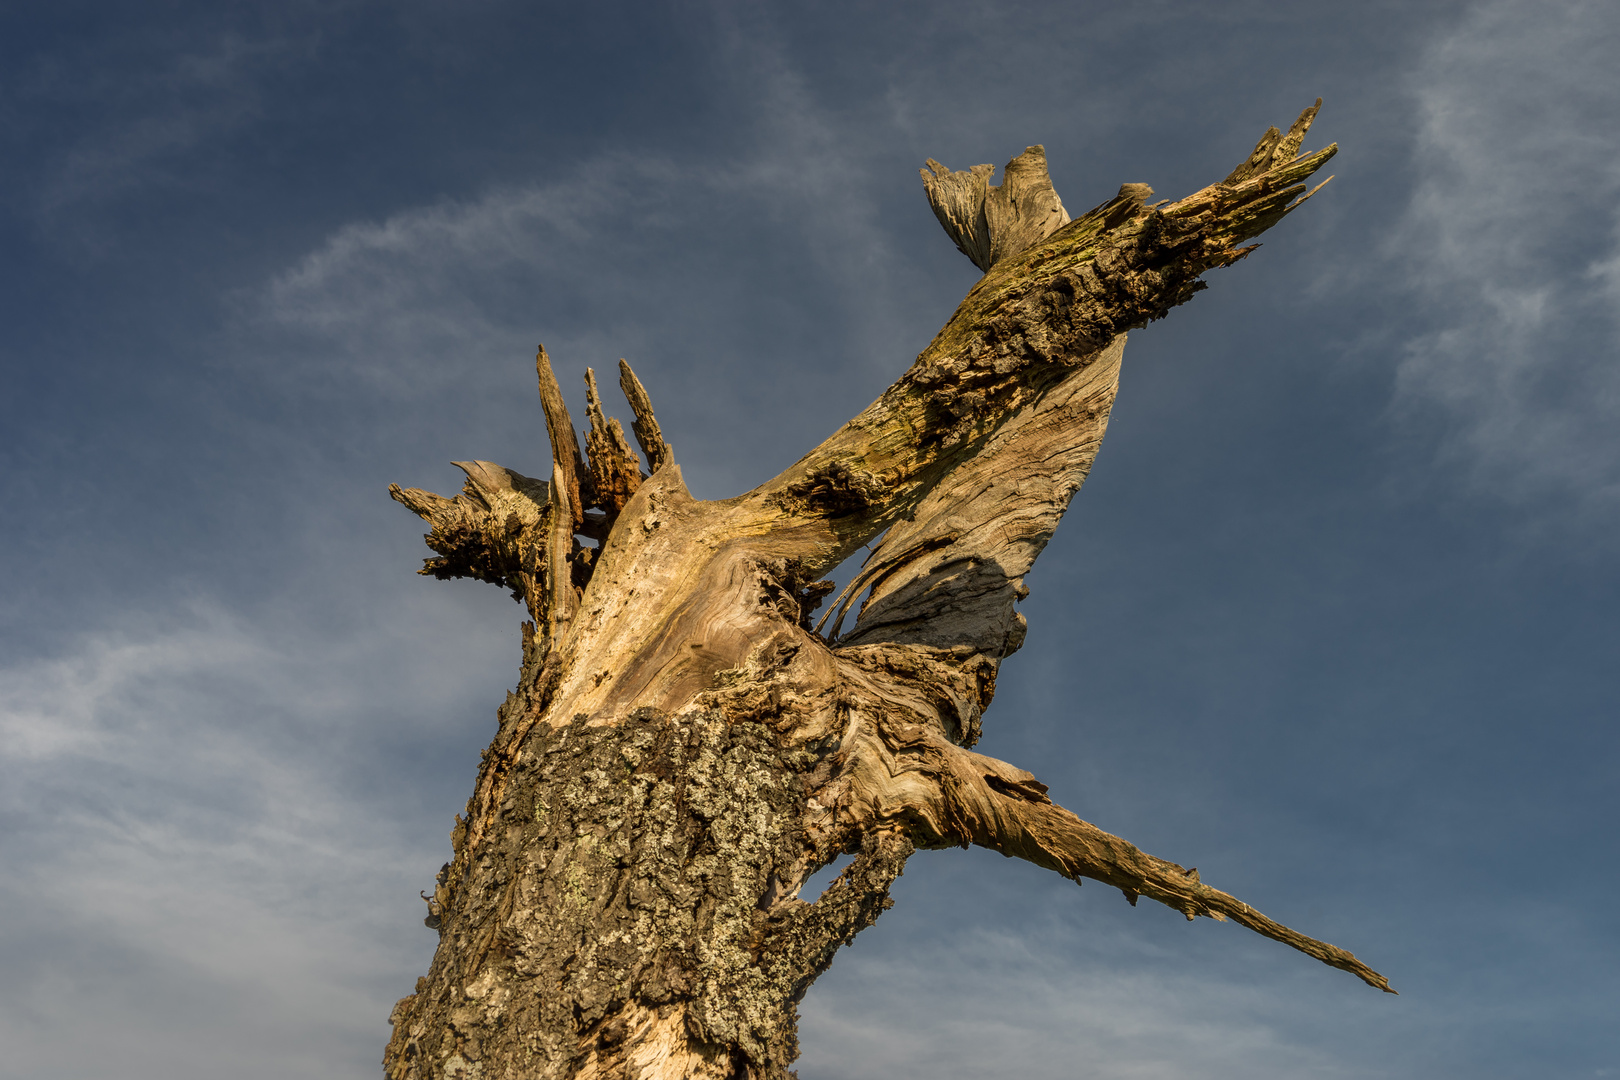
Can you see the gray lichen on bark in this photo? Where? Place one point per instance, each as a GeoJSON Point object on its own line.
{"type": "Point", "coordinates": [614, 917]}
{"type": "Point", "coordinates": [684, 749]}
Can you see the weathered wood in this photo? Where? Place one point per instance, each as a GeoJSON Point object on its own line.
{"type": "Point", "coordinates": [564, 441]}
{"type": "Point", "coordinates": [683, 751]}
{"type": "Point", "coordinates": [645, 425]}
{"type": "Point", "coordinates": [1275, 148]}
{"type": "Point", "coordinates": [568, 495]}
{"type": "Point", "coordinates": [992, 222]}
{"type": "Point", "coordinates": [950, 573]}
{"type": "Point", "coordinates": [491, 531]}
{"type": "Point", "coordinates": [615, 470]}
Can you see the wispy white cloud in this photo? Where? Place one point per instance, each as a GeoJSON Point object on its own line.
{"type": "Point", "coordinates": [193, 845]}
{"type": "Point", "coordinates": [410, 297]}
{"type": "Point", "coordinates": [479, 274]}
{"type": "Point", "coordinates": [636, 254]}
{"type": "Point", "coordinates": [1511, 245]}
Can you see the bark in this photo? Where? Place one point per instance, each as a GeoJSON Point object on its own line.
{"type": "Point", "coordinates": [684, 748]}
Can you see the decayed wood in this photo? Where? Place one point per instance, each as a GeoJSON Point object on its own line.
{"type": "Point", "coordinates": [648, 435]}
{"type": "Point", "coordinates": [568, 493]}
{"type": "Point", "coordinates": [992, 222]}
{"type": "Point", "coordinates": [615, 471]}
{"type": "Point", "coordinates": [569, 468]}
{"type": "Point", "coordinates": [1275, 148]}
{"type": "Point", "coordinates": [489, 532]}
{"type": "Point", "coordinates": [683, 750]}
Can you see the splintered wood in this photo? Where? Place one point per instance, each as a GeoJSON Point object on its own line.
{"type": "Point", "coordinates": [684, 750]}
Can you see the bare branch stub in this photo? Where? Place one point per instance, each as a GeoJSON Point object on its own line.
{"type": "Point", "coordinates": [683, 750]}
{"type": "Point", "coordinates": [489, 531]}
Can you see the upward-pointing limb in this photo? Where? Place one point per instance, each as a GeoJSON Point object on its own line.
{"type": "Point", "coordinates": [1035, 315]}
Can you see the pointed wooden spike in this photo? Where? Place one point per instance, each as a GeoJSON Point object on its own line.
{"type": "Point", "coordinates": [645, 425]}
{"type": "Point", "coordinates": [568, 475]}
{"type": "Point", "coordinates": [570, 467]}
{"type": "Point", "coordinates": [424, 504]}
{"type": "Point", "coordinates": [593, 402]}
{"type": "Point", "coordinates": [1289, 147]}
{"type": "Point", "coordinates": [1275, 148]}
{"type": "Point", "coordinates": [987, 802]}
{"type": "Point", "coordinates": [1295, 205]}
{"type": "Point", "coordinates": [1258, 159]}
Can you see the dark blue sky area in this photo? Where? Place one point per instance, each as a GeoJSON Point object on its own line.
{"type": "Point", "coordinates": [1334, 618]}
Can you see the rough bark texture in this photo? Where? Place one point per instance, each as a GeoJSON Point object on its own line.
{"type": "Point", "coordinates": [684, 749]}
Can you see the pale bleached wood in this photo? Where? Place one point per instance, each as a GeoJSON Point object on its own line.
{"type": "Point", "coordinates": [568, 495]}
{"type": "Point", "coordinates": [950, 573]}
{"type": "Point", "coordinates": [565, 454]}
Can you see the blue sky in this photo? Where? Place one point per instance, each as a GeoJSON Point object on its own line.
{"type": "Point", "coordinates": [1334, 618]}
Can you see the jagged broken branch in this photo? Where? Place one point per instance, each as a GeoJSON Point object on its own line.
{"type": "Point", "coordinates": [522, 533]}
{"type": "Point", "coordinates": [1037, 316]}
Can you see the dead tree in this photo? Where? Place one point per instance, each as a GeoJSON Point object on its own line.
{"type": "Point", "coordinates": [686, 745]}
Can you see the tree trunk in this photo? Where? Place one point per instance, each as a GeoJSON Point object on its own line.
{"type": "Point", "coordinates": [684, 748]}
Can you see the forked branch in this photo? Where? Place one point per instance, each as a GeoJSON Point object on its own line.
{"type": "Point", "coordinates": [991, 223]}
